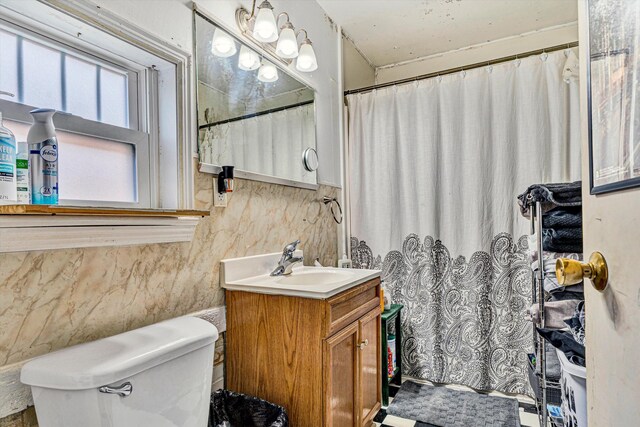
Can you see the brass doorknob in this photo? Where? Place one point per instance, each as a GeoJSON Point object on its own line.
{"type": "Point", "coordinates": [571, 272]}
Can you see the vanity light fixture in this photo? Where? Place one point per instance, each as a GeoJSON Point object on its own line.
{"type": "Point", "coordinates": [265, 29]}
{"type": "Point", "coordinates": [287, 46]}
{"type": "Point", "coordinates": [268, 72]}
{"type": "Point", "coordinates": [222, 44]}
{"type": "Point", "coordinates": [262, 27]}
{"type": "Point", "coordinates": [306, 61]}
{"type": "Point", "coordinates": [248, 60]}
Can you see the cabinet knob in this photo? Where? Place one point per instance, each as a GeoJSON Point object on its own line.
{"type": "Point", "coordinates": [363, 344]}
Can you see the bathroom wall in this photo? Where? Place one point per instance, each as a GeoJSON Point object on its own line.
{"type": "Point", "coordinates": [54, 299]}
{"type": "Point", "coordinates": [518, 43]}
{"type": "Point", "coordinates": [358, 72]}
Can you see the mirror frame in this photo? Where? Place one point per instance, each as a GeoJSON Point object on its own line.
{"type": "Point", "coordinates": [282, 66]}
{"type": "Point", "coordinates": [612, 186]}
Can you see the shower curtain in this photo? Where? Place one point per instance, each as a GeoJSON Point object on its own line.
{"type": "Point", "coordinates": [435, 168]}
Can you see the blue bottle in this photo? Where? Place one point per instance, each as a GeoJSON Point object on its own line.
{"type": "Point", "coordinates": [43, 157]}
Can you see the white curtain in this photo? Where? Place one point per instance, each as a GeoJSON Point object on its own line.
{"type": "Point", "coordinates": [435, 168]}
{"type": "Point", "coordinates": [269, 144]}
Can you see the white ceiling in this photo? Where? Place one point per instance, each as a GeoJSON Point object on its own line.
{"type": "Point", "coordinates": [392, 31]}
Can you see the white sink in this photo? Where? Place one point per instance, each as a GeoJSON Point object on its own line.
{"type": "Point", "coordinates": [252, 274]}
{"type": "Point", "coordinates": [305, 276]}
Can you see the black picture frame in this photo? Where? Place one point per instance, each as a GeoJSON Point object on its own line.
{"type": "Point", "coordinates": [612, 186]}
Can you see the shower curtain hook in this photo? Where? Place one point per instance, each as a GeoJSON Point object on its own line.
{"type": "Point", "coordinates": [544, 55]}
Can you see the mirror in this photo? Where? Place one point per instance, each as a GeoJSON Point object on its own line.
{"type": "Point", "coordinates": [252, 113]}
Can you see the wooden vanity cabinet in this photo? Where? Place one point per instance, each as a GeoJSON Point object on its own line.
{"type": "Point", "coordinates": [319, 359]}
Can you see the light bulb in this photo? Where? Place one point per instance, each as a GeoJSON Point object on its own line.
{"type": "Point", "coordinates": [306, 61]}
{"type": "Point", "coordinates": [267, 73]}
{"type": "Point", "coordinates": [222, 44]}
{"type": "Point", "coordinates": [247, 59]}
{"type": "Point", "coordinates": [265, 28]}
{"type": "Point", "coordinates": [287, 46]}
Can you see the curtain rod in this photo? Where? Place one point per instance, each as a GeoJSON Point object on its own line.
{"type": "Point", "coordinates": [463, 68]}
{"type": "Point", "coordinates": [251, 115]}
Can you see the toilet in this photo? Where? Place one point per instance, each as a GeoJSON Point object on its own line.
{"type": "Point", "coordinates": [156, 376]}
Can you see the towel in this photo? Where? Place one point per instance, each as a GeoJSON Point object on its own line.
{"type": "Point", "coordinates": [571, 292]}
{"type": "Point", "coordinates": [562, 240]}
{"type": "Point", "coordinates": [548, 255]}
{"type": "Point", "coordinates": [564, 341]}
{"type": "Point", "coordinates": [549, 266]}
{"type": "Point", "coordinates": [555, 313]}
{"type": "Point", "coordinates": [577, 323]}
{"type": "Point", "coordinates": [551, 196]}
{"type": "Point", "coordinates": [563, 217]}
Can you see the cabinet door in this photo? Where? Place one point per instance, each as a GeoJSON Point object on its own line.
{"type": "Point", "coordinates": [370, 366]}
{"type": "Point", "coordinates": [341, 378]}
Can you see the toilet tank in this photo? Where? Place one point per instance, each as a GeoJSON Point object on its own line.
{"type": "Point", "coordinates": [156, 376]}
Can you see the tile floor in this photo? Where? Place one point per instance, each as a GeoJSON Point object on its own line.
{"type": "Point", "coordinates": [528, 416]}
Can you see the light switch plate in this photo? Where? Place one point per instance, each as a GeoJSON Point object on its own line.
{"type": "Point", "coordinates": [219, 199]}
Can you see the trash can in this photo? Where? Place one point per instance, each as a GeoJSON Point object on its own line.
{"type": "Point", "coordinates": [230, 409]}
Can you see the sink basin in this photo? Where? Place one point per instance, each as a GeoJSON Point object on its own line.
{"type": "Point", "coordinates": [312, 276]}
{"type": "Point", "coordinates": [252, 274]}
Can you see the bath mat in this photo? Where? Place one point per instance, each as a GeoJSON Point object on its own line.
{"type": "Point", "coordinates": [444, 407]}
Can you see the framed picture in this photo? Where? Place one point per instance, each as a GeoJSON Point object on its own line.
{"type": "Point", "coordinates": [613, 82]}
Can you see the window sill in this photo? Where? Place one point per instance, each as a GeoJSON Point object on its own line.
{"type": "Point", "coordinates": [30, 227]}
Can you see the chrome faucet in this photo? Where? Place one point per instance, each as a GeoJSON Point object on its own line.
{"type": "Point", "coordinates": [287, 261]}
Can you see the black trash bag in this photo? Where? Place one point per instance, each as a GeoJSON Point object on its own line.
{"type": "Point", "coordinates": [240, 410]}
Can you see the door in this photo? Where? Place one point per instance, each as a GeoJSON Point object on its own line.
{"type": "Point", "coordinates": [341, 377]}
{"type": "Point", "coordinates": [370, 365]}
{"type": "Point", "coordinates": [611, 225]}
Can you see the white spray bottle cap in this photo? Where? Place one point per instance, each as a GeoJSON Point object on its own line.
{"type": "Point", "coordinates": [42, 127]}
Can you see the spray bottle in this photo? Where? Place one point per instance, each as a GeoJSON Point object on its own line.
{"type": "Point", "coordinates": [22, 173]}
{"type": "Point", "coordinates": [43, 157]}
{"type": "Point", "coordinates": [8, 191]}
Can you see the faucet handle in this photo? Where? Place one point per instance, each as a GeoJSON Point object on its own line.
{"type": "Point", "coordinates": [291, 247]}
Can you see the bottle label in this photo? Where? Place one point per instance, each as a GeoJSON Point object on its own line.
{"type": "Point", "coordinates": [46, 191]}
{"type": "Point", "coordinates": [8, 191]}
{"type": "Point", "coordinates": [7, 160]}
{"type": "Point", "coordinates": [49, 153]}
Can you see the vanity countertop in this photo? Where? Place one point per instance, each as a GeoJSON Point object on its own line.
{"type": "Point", "coordinates": [251, 274]}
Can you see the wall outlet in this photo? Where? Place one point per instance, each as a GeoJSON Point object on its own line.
{"type": "Point", "coordinates": [219, 199]}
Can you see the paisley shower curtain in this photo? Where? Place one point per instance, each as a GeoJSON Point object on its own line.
{"type": "Point", "coordinates": [435, 168]}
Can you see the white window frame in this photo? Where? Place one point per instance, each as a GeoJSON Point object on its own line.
{"type": "Point", "coordinates": [140, 123]}
{"type": "Point", "coordinates": [171, 145]}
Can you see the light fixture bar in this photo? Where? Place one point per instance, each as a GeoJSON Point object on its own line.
{"type": "Point", "coordinates": [284, 47]}
{"type": "Point", "coordinates": [245, 22]}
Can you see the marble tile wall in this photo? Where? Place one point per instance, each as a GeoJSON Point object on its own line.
{"type": "Point", "coordinates": [54, 299]}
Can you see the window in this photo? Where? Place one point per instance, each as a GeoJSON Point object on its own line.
{"type": "Point", "coordinates": [124, 122]}
{"type": "Point", "coordinates": [73, 84]}
{"type": "Point", "coordinates": [107, 128]}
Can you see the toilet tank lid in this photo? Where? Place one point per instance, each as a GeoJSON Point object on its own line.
{"type": "Point", "coordinates": [115, 358]}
